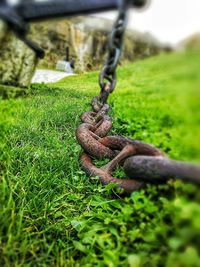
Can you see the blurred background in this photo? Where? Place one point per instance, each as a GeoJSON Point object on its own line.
{"type": "Point", "coordinates": [163, 26]}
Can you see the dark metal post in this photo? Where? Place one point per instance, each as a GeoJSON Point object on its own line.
{"type": "Point", "coordinates": [67, 53]}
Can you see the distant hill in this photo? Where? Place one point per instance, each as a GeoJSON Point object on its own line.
{"type": "Point", "coordinates": [191, 42]}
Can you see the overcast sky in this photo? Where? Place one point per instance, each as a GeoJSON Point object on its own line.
{"type": "Point", "coordinates": [168, 20]}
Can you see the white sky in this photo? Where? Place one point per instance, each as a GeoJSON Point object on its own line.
{"type": "Point", "coordinates": [168, 20]}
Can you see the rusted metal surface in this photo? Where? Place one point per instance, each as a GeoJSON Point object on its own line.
{"type": "Point", "coordinates": [92, 136]}
{"type": "Point", "coordinates": [95, 125]}
{"type": "Point", "coordinates": [143, 163]}
{"type": "Point", "coordinates": [159, 170]}
{"type": "Point", "coordinates": [106, 177]}
{"type": "Point", "coordinates": [141, 148]}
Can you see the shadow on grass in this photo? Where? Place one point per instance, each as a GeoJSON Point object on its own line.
{"type": "Point", "coordinates": [7, 91]}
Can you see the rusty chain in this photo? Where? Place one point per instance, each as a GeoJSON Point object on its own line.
{"type": "Point", "coordinates": [92, 136]}
{"type": "Point", "coordinates": [108, 77]}
{"type": "Point", "coordinates": [143, 163]}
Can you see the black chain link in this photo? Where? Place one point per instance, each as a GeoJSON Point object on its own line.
{"type": "Point", "coordinates": [108, 77]}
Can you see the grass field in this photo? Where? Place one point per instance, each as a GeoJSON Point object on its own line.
{"type": "Point", "coordinates": [51, 214]}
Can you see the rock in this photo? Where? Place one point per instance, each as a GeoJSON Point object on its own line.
{"type": "Point", "coordinates": [3, 29]}
{"type": "Point", "coordinates": [17, 61]}
{"type": "Point", "coordinates": [87, 39]}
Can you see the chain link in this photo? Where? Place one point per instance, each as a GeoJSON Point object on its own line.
{"type": "Point", "coordinates": [108, 77]}
{"type": "Point", "coordinates": [143, 163]}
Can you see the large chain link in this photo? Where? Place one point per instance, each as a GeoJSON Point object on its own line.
{"type": "Point", "coordinates": [107, 77]}
{"type": "Point", "coordinates": [143, 163]}
{"type": "Point", "coordinates": [92, 136]}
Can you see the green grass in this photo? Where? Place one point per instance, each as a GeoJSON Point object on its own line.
{"type": "Point", "coordinates": [51, 214]}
